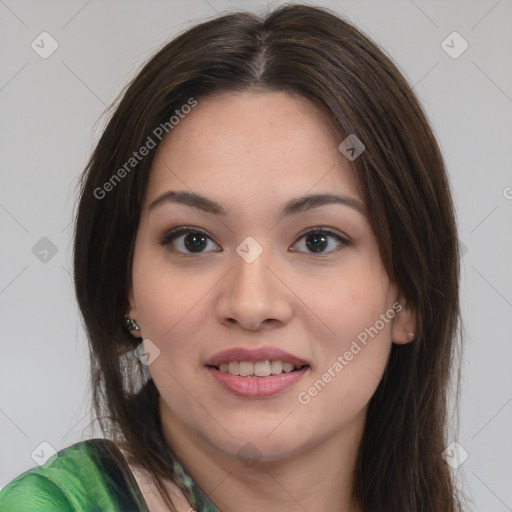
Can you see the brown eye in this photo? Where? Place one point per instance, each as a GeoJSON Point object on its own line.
{"type": "Point", "coordinates": [187, 240]}
{"type": "Point", "coordinates": [316, 241]}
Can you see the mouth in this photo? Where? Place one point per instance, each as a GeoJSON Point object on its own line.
{"type": "Point", "coordinates": [259, 369]}
{"type": "Point", "coordinates": [256, 373]}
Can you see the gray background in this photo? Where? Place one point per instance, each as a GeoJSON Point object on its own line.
{"type": "Point", "coordinates": [50, 120]}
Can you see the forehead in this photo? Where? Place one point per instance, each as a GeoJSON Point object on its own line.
{"type": "Point", "coordinates": [251, 145]}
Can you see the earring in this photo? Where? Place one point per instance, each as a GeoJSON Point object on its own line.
{"type": "Point", "coordinates": [411, 336]}
{"type": "Point", "coordinates": [130, 324]}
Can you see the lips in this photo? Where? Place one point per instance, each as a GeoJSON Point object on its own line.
{"type": "Point", "coordinates": [249, 384]}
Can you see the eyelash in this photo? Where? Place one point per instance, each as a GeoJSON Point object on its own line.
{"type": "Point", "coordinates": [170, 236]}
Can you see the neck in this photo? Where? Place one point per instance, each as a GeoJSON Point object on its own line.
{"type": "Point", "coordinates": [319, 477]}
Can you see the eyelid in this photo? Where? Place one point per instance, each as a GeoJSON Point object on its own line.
{"type": "Point", "coordinates": [324, 229]}
{"type": "Point", "coordinates": [174, 233]}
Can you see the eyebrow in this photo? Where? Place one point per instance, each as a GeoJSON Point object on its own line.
{"type": "Point", "coordinates": [294, 206]}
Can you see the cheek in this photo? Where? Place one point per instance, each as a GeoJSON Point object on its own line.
{"type": "Point", "coordinates": [357, 309]}
{"type": "Point", "coordinates": [363, 316]}
{"type": "Point", "coordinates": [351, 366]}
{"type": "Point", "coordinates": [352, 303]}
{"type": "Point", "coordinates": [172, 308]}
{"type": "Point", "coordinates": [170, 301]}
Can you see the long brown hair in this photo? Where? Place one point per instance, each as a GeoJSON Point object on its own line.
{"type": "Point", "coordinates": [314, 53]}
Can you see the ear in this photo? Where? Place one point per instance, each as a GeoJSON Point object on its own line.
{"type": "Point", "coordinates": [405, 324]}
{"type": "Point", "coordinates": [132, 313]}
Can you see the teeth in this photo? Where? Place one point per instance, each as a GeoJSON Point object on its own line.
{"type": "Point", "coordinates": [287, 367]}
{"type": "Point", "coordinates": [233, 368]}
{"type": "Point", "coordinates": [245, 368]}
{"type": "Point", "coordinates": [276, 367]}
{"type": "Point", "coordinates": [262, 369]}
{"type": "Point", "coordinates": [258, 369]}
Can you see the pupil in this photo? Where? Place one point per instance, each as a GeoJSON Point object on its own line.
{"type": "Point", "coordinates": [195, 242]}
{"type": "Point", "coordinates": [319, 242]}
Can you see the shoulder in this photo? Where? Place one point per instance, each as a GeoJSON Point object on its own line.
{"type": "Point", "coordinates": [31, 492]}
{"type": "Point", "coordinates": [58, 485]}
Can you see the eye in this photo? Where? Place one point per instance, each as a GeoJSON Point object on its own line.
{"type": "Point", "coordinates": [191, 240]}
{"type": "Point", "coordinates": [188, 240]}
{"type": "Point", "coordinates": [317, 240]}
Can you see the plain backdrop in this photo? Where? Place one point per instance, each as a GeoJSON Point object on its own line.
{"type": "Point", "coordinates": [51, 117]}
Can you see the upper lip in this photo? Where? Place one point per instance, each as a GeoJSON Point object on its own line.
{"type": "Point", "coordinates": [254, 355]}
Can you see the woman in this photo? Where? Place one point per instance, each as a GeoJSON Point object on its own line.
{"type": "Point", "coordinates": [266, 262]}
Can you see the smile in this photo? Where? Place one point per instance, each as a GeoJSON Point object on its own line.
{"type": "Point", "coordinates": [256, 372]}
{"type": "Point", "coordinates": [259, 368]}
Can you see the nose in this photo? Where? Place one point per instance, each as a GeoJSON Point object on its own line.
{"type": "Point", "coordinates": [254, 295]}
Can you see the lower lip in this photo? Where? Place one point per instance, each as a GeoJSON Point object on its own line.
{"type": "Point", "coordinates": [258, 387]}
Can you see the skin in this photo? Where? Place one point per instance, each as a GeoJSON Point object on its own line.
{"type": "Point", "coordinates": [253, 152]}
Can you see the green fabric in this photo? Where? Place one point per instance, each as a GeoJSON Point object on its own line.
{"type": "Point", "coordinates": [199, 501]}
{"type": "Point", "coordinates": [89, 476]}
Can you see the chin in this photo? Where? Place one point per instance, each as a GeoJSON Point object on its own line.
{"type": "Point", "coordinates": [253, 444]}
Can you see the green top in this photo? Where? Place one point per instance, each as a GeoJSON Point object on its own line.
{"type": "Point", "coordinates": [89, 476]}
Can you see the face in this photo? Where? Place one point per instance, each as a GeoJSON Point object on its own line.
{"type": "Point", "coordinates": [254, 253]}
